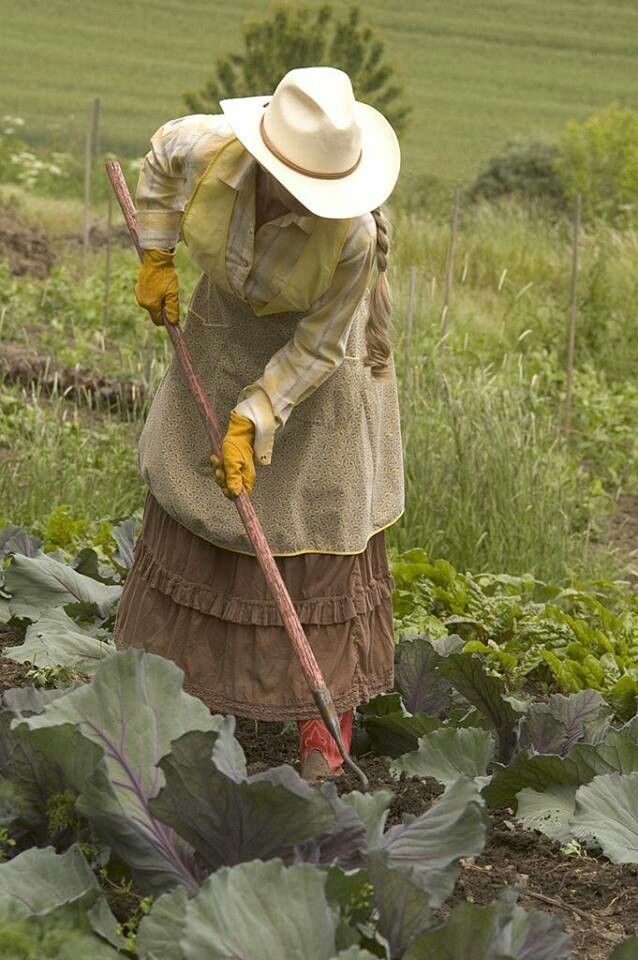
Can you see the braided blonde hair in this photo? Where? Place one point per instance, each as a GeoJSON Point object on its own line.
{"type": "Point", "coordinates": [377, 328]}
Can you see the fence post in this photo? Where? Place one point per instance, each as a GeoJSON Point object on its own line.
{"type": "Point", "coordinates": [88, 163]}
{"type": "Point", "coordinates": [449, 268]}
{"type": "Point", "coordinates": [95, 129]}
{"type": "Point", "coordinates": [409, 319]}
{"type": "Point", "coordinates": [107, 270]}
{"type": "Point", "coordinates": [571, 329]}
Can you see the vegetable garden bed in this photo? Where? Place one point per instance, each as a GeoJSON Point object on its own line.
{"type": "Point", "coordinates": [596, 901]}
{"type": "Point", "coordinates": [499, 823]}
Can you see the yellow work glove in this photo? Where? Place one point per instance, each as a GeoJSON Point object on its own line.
{"type": "Point", "coordinates": [236, 467]}
{"type": "Point", "coordinates": [157, 286]}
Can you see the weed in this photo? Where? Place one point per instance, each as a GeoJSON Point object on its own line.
{"type": "Point", "coordinates": [6, 844]}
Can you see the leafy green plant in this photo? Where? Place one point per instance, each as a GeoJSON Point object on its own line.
{"type": "Point", "coordinates": [205, 816]}
{"type": "Point", "coordinates": [6, 844]}
{"type": "Point", "coordinates": [599, 160]}
{"type": "Point", "coordinates": [303, 36]}
{"type": "Point", "coordinates": [560, 765]}
{"type": "Point", "coordinates": [43, 170]}
{"type": "Point", "coordinates": [54, 675]}
{"type": "Point", "coordinates": [51, 906]}
{"type": "Point", "coordinates": [527, 630]}
{"type": "Point", "coordinates": [131, 763]}
{"type": "Point", "coordinates": [124, 890]}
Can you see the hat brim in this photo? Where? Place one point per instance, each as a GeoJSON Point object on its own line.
{"type": "Point", "coordinates": [359, 192]}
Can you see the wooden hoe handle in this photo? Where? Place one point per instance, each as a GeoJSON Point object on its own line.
{"type": "Point", "coordinates": [306, 657]}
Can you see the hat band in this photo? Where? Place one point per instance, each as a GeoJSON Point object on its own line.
{"type": "Point", "coordinates": [294, 166]}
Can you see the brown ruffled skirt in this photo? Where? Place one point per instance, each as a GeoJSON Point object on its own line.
{"type": "Point", "coordinates": [209, 610]}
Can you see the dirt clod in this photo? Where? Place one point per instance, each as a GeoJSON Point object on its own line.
{"type": "Point", "coordinates": [12, 674]}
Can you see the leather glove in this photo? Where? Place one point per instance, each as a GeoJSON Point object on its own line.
{"type": "Point", "coordinates": [236, 468]}
{"type": "Point", "coordinates": [157, 286]}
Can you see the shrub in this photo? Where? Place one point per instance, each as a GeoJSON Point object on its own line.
{"type": "Point", "coordinates": [598, 158]}
{"type": "Point", "coordinates": [525, 169]}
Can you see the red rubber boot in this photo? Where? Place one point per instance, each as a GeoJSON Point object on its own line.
{"type": "Point", "coordinates": [318, 752]}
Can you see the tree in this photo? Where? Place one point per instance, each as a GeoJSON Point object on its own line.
{"type": "Point", "coordinates": [303, 36]}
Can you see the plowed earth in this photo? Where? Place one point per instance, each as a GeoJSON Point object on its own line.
{"type": "Point", "coordinates": [75, 383]}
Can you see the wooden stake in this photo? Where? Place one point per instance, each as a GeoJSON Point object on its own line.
{"type": "Point", "coordinates": [449, 269]}
{"type": "Point", "coordinates": [571, 329]}
{"type": "Point", "coordinates": [88, 162]}
{"type": "Point", "coordinates": [107, 271]}
{"type": "Point", "coordinates": [409, 319]}
{"type": "Point", "coordinates": [95, 129]}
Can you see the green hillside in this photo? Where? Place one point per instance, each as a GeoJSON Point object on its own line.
{"type": "Point", "coordinates": [476, 73]}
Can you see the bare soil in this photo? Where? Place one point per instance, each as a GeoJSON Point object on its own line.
{"type": "Point", "coordinates": [26, 249]}
{"type": "Point", "coordinates": [76, 383]}
{"type": "Point", "coordinates": [597, 901]}
{"type": "Point", "coordinates": [622, 532]}
{"type": "Point", "coordinates": [99, 235]}
{"type": "Point", "coordinates": [11, 674]}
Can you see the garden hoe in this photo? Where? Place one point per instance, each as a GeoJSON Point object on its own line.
{"type": "Point", "coordinates": [309, 665]}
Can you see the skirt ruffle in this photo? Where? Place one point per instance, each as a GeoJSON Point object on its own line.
{"type": "Point", "coordinates": [209, 610]}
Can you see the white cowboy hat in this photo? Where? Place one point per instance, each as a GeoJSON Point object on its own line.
{"type": "Point", "coordinates": [339, 157]}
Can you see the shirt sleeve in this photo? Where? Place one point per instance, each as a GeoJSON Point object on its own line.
{"type": "Point", "coordinates": [180, 151]}
{"type": "Point", "coordinates": [315, 351]}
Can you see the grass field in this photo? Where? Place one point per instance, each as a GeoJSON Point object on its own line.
{"type": "Point", "coordinates": [475, 74]}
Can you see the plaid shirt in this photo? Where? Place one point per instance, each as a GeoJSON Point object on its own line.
{"type": "Point", "coordinates": [258, 265]}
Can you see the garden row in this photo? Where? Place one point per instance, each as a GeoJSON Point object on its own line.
{"type": "Point", "coordinates": [117, 774]}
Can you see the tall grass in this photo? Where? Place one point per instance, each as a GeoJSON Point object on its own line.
{"type": "Point", "coordinates": [489, 483]}
{"type": "Point", "coordinates": [490, 480]}
{"type": "Point", "coordinates": [511, 287]}
{"type": "Point", "coordinates": [54, 453]}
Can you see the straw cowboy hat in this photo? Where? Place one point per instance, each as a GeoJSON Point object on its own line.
{"type": "Point", "coordinates": [339, 157]}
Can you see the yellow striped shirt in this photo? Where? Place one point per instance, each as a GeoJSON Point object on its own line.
{"type": "Point", "coordinates": [258, 265]}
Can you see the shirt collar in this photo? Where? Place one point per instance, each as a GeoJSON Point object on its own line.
{"type": "Point", "coordinates": [305, 223]}
{"type": "Point", "coordinates": [236, 176]}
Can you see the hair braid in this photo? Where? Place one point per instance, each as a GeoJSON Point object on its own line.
{"type": "Point", "coordinates": [377, 327]}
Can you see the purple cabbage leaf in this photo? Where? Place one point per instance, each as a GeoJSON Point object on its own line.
{"type": "Point", "coordinates": [432, 844]}
{"type": "Point", "coordinates": [500, 931]}
{"type": "Point", "coordinates": [264, 910]}
{"type": "Point", "coordinates": [555, 726]}
{"type": "Point", "coordinates": [38, 583]}
{"type": "Point", "coordinates": [229, 817]}
{"type": "Point", "coordinates": [127, 718]}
